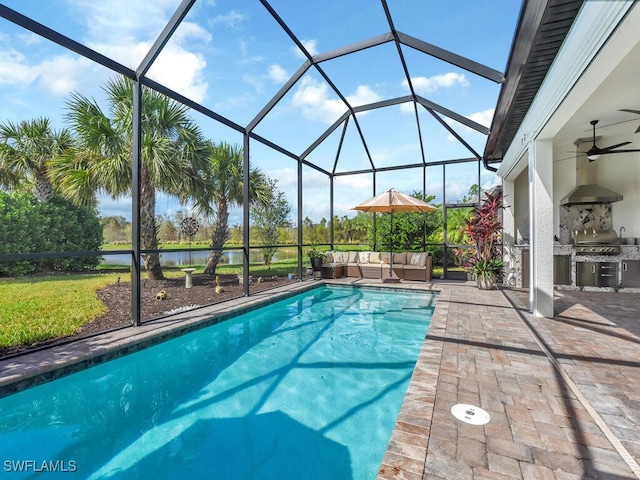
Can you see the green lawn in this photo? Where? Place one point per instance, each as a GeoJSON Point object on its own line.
{"type": "Point", "coordinates": [34, 309]}
{"type": "Point", "coordinates": [39, 308]}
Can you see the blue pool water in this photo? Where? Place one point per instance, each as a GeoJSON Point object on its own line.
{"type": "Point", "coordinates": [308, 387]}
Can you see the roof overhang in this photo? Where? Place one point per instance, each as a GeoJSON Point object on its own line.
{"type": "Point", "coordinates": [542, 27]}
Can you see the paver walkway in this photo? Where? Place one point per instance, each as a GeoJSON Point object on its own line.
{"type": "Point", "coordinates": [563, 393]}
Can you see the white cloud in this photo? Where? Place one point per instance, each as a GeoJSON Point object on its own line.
{"type": "Point", "coordinates": [253, 59]}
{"type": "Point", "coordinates": [363, 96]}
{"type": "Point", "coordinates": [407, 107]}
{"type": "Point", "coordinates": [62, 74]}
{"type": "Point", "coordinates": [484, 117]}
{"type": "Point", "coordinates": [109, 207]}
{"type": "Point", "coordinates": [287, 178]}
{"type": "Point", "coordinates": [360, 182]}
{"type": "Point", "coordinates": [432, 84]}
{"type": "Point", "coordinates": [121, 20]}
{"type": "Point", "coordinates": [397, 153]}
{"type": "Point", "coordinates": [108, 32]}
{"type": "Point", "coordinates": [29, 39]}
{"type": "Point", "coordinates": [128, 39]}
{"type": "Point", "coordinates": [351, 190]}
{"type": "Point", "coordinates": [230, 20]}
{"type": "Point", "coordinates": [312, 97]}
{"type": "Point", "coordinates": [59, 75]}
{"type": "Point", "coordinates": [191, 31]}
{"type": "Point", "coordinates": [229, 104]}
{"type": "Point", "coordinates": [181, 71]}
{"type": "Point", "coordinates": [277, 74]}
{"type": "Point", "coordinates": [310, 45]}
{"type": "Point", "coordinates": [14, 69]}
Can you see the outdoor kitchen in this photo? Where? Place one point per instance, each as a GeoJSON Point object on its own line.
{"type": "Point", "coordinates": [596, 255]}
{"type": "Point", "coordinates": [592, 250]}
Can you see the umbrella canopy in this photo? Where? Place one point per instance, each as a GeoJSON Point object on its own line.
{"type": "Point", "coordinates": [393, 201]}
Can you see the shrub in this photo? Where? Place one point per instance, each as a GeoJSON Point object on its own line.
{"type": "Point", "coordinates": [20, 231]}
{"type": "Point", "coordinates": [57, 226]}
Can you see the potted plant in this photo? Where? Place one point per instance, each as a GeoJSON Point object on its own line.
{"type": "Point", "coordinates": [317, 257]}
{"type": "Point", "coordinates": [484, 229]}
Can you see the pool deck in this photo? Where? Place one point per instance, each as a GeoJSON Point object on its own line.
{"type": "Point", "coordinates": [563, 394]}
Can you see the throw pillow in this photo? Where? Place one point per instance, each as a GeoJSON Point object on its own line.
{"type": "Point", "coordinates": [416, 259]}
{"type": "Point", "coordinates": [400, 258]}
{"type": "Point", "coordinates": [385, 257]}
{"type": "Point", "coordinates": [338, 257]}
{"type": "Point", "coordinates": [328, 258]}
{"type": "Point", "coordinates": [364, 257]}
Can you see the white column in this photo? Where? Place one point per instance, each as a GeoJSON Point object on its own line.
{"type": "Point", "coordinates": [541, 228]}
{"type": "Point", "coordinates": [509, 233]}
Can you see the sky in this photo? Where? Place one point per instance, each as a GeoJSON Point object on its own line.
{"type": "Point", "coordinates": [233, 57]}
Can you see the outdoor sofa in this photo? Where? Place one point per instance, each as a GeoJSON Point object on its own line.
{"type": "Point", "coordinates": [405, 266]}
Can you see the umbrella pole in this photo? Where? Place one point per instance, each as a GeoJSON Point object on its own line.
{"type": "Point", "coordinates": [390, 279]}
{"type": "Point", "coordinates": [391, 247]}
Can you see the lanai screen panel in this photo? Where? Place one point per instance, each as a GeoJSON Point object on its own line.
{"type": "Point", "coordinates": [332, 24]}
{"type": "Point", "coordinates": [483, 33]}
{"type": "Point", "coordinates": [232, 57]}
{"type": "Point", "coordinates": [390, 147]}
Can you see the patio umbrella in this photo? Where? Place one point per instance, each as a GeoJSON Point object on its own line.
{"type": "Point", "coordinates": [393, 201]}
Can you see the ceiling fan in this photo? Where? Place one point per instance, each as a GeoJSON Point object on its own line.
{"type": "Point", "coordinates": [595, 152]}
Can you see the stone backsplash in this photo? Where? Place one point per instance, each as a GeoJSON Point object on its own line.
{"type": "Point", "coordinates": [572, 217]}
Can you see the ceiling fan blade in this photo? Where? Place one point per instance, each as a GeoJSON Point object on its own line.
{"type": "Point", "coordinates": [621, 151]}
{"type": "Point", "coordinates": [637, 112]}
{"type": "Point", "coordinates": [574, 157]}
{"type": "Point", "coordinates": [612, 147]}
{"type": "Point", "coordinates": [637, 129]}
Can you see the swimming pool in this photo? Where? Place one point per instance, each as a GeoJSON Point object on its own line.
{"type": "Point", "coordinates": [307, 387]}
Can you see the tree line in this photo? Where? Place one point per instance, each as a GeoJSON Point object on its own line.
{"type": "Point", "coordinates": [93, 155]}
{"type": "Point", "coordinates": [271, 227]}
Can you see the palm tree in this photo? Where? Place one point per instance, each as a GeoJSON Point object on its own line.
{"type": "Point", "coordinates": [222, 188]}
{"type": "Point", "coordinates": [173, 153]}
{"type": "Point", "coordinates": [27, 150]}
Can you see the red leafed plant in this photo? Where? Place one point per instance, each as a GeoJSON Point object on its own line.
{"type": "Point", "coordinates": [484, 228]}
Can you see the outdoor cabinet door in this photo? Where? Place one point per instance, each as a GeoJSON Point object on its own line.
{"type": "Point", "coordinates": [562, 269]}
{"type": "Point", "coordinates": [631, 273]}
{"type": "Point", "coordinates": [586, 274]}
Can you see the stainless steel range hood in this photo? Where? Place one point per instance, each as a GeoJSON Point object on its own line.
{"type": "Point", "coordinates": [590, 193]}
{"type": "Point", "coordinates": [587, 189]}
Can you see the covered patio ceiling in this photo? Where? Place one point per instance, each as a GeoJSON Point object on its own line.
{"type": "Point", "coordinates": [605, 91]}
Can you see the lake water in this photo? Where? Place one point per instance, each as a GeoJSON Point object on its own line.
{"type": "Point", "coordinates": [177, 259]}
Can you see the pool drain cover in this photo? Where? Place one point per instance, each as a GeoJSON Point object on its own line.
{"type": "Point", "coordinates": [470, 414]}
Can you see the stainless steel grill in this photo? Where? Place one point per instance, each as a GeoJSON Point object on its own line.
{"type": "Point", "coordinates": [596, 242]}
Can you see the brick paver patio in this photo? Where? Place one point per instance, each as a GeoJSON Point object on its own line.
{"type": "Point", "coordinates": [563, 393]}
